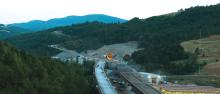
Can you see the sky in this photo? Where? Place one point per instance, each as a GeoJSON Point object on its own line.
{"type": "Point", "coordinates": [15, 11]}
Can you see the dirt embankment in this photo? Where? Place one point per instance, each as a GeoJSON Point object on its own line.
{"type": "Point", "coordinates": [118, 50]}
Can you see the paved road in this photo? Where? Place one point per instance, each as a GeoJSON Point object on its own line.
{"type": "Point", "coordinates": [105, 85]}
{"type": "Point", "coordinates": [103, 81]}
{"type": "Point", "coordinates": [134, 79]}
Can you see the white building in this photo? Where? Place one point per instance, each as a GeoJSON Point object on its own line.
{"type": "Point", "coordinates": [152, 78]}
{"type": "Point", "coordinates": [80, 59]}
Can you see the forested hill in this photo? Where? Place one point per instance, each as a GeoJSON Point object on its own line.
{"type": "Point", "coordinates": [9, 31]}
{"type": "Point", "coordinates": [24, 74]}
{"type": "Point", "coordinates": [160, 36]}
{"type": "Point", "coordinates": [37, 25]}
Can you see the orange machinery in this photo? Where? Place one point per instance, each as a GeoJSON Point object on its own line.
{"type": "Point", "coordinates": [109, 56]}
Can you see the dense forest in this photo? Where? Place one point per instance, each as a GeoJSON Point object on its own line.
{"type": "Point", "coordinates": [160, 36]}
{"type": "Point", "coordinates": [21, 73]}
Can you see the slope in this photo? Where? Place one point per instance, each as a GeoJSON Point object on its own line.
{"type": "Point", "coordinates": [24, 74]}
{"type": "Point", "coordinates": [208, 52]}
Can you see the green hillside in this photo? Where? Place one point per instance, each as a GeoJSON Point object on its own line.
{"type": "Point", "coordinates": [160, 36]}
{"type": "Point", "coordinates": [209, 52]}
{"type": "Point", "coordinates": [24, 74]}
{"type": "Point", "coordinates": [9, 31]}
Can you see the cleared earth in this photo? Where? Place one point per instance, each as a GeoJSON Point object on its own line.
{"type": "Point", "coordinates": [118, 50]}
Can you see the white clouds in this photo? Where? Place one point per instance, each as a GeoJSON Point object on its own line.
{"type": "Point", "coordinates": [24, 10]}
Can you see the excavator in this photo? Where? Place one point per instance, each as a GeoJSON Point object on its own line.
{"type": "Point", "coordinates": [109, 56]}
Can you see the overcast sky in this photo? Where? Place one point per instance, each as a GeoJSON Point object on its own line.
{"type": "Point", "coordinates": [13, 11]}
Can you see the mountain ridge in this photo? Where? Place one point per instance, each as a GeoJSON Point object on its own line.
{"type": "Point", "coordinates": [38, 25]}
{"type": "Point", "coordinates": [10, 31]}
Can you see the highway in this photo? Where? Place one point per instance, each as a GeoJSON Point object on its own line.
{"type": "Point", "coordinates": [102, 79]}
{"type": "Point", "coordinates": [134, 79]}
{"type": "Point", "coordinates": [128, 73]}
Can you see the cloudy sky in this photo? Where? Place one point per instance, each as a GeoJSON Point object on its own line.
{"type": "Point", "coordinates": [13, 11]}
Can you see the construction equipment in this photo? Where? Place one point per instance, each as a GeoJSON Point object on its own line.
{"type": "Point", "coordinates": [109, 56]}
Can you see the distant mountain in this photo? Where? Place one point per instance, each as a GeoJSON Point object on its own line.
{"type": "Point", "coordinates": [9, 31]}
{"type": "Point", "coordinates": [37, 25]}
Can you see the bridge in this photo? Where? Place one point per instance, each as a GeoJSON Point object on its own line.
{"type": "Point", "coordinates": [104, 83]}
{"type": "Point", "coordinates": [105, 86]}
{"type": "Point", "coordinates": [135, 80]}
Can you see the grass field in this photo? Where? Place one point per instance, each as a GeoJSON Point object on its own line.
{"type": "Point", "coordinates": [211, 48]}
{"type": "Point", "coordinates": [212, 69]}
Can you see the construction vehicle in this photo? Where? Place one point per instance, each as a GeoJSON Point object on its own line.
{"type": "Point", "coordinates": [109, 56]}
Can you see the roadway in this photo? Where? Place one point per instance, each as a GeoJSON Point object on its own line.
{"type": "Point", "coordinates": [142, 86]}
{"type": "Point", "coordinates": [104, 83]}
{"type": "Point", "coordinates": [102, 79]}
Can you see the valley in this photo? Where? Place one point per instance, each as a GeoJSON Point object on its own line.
{"type": "Point", "coordinates": [174, 53]}
{"type": "Point", "coordinates": [159, 39]}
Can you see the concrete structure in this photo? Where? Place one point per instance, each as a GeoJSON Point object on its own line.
{"type": "Point", "coordinates": [188, 89]}
{"type": "Point", "coordinates": [104, 83]}
{"type": "Point", "coordinates": [152, 78]}
{"type": "Point", "coordinates": [141, 87]}
{"type": "Point", "coordinates": [80, 59]}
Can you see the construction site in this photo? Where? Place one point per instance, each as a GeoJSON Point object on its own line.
{"type": "Point", "coordinates": [126, 80]}
{"type": "Point", "coordinates": [114, 75]}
